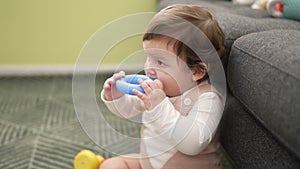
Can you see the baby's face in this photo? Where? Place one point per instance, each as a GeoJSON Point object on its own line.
{"type": "Point", "coordinates": [163, 64]}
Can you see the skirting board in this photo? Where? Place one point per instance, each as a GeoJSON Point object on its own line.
{"type": "Point", "coordinates": [36, 70]}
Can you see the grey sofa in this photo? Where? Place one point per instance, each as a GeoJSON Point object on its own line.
{"type": "Point", "coordinates": [260, 127]}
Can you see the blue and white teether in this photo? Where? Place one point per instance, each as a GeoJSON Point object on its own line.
{"type": "Point", "coordinates": [130, 82]}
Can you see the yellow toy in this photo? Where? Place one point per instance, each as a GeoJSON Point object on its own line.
{"type": "Point", "coordinates": [86, 159]}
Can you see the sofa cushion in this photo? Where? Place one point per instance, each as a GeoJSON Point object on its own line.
{"type": "Point", "coordinates": [218, 6]}
{"type": "Point", "coordinates": [249, 144]}
{"type": "Point", "coordinates": [235, 26]}
{"type": "Point", "coordinates": [264, 75]}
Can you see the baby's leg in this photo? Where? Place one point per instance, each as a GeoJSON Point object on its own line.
{"type": "Point", "coordinates": [121, 163]}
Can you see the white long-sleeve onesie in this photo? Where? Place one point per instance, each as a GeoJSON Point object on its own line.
{"type": "Point", "coordinates": [185, 123]}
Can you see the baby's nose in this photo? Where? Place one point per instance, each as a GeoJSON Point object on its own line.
{"type": "Point", "coordinates": [151, 73]}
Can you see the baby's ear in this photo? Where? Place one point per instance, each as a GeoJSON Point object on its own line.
{"type": "Point", "coordinates": [199, 71]}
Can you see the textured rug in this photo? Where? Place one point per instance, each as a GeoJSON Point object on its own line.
{"type": "Point", "coordinates": [39, 128]}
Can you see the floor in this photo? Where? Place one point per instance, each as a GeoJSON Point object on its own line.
{"type": "Point", "coordinates": [40, 129]}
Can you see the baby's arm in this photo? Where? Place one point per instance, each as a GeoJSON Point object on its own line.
{"type": "Point", "coordinates": [126, 106]}
{"type": "Point", "coordinates": [192, 133]}
{"type": "Point", "coordinates": [200, 125]}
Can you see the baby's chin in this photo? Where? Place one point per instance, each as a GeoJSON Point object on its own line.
{"type": "Point", "coordinates": [172, 93]}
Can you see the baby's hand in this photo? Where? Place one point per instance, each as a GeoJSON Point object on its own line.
{"type": "Point", "coordinates": [109, 87]}
{"type": "Point", "coordinates": [154, 93]}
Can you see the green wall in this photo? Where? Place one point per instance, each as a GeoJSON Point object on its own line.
{"type": "Point", "coordinates": [54, 31]}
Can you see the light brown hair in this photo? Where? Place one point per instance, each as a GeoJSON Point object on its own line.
{"type": "Point", "coordinates": [201, 17]}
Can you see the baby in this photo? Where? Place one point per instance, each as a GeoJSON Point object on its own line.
{"type": "Point", "coordinates": [180, 109]}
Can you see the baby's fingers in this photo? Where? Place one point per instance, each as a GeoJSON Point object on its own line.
{"type": "Point", "coordinates": [107, 86]}
{"type": "Point", "coordinates": [108, 83]}
{"type": "Point", "coordinates": [145, 86]}
{"type": "Point", "coordinates": [158, 84]}
{"type": "Point", "coordinates": [144, 98]}
{"type": "Point", "coordinates": [118, 76]}
{"type": "Point", "coordinates": [140, 95]}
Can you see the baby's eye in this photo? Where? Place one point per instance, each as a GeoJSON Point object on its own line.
{"type": "Point", "coordinates": [160, 63]}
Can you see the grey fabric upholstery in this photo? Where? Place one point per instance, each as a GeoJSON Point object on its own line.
{"type": "Point", "coordinates": [264, 74]}
{"type": "Point", "coordinates": [261, 123]}
{"type": "Point", "coordinates": [249, 144]}
{"type": "Point", "coordinates": [235, 26]}
{"type": "Point", "coordinates": [218, 6]}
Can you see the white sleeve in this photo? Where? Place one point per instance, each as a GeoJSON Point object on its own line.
{"type": "Point", "coordinates": [126, 106]}
{"type": "Point", "coordinates": [192, 133]}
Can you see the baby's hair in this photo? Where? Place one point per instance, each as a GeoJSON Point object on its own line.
{"type": "Point", "coordinates": [199, 16]}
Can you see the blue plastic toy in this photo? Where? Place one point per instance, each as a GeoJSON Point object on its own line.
{"type": "Point", "coordinates": [130, 82]}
